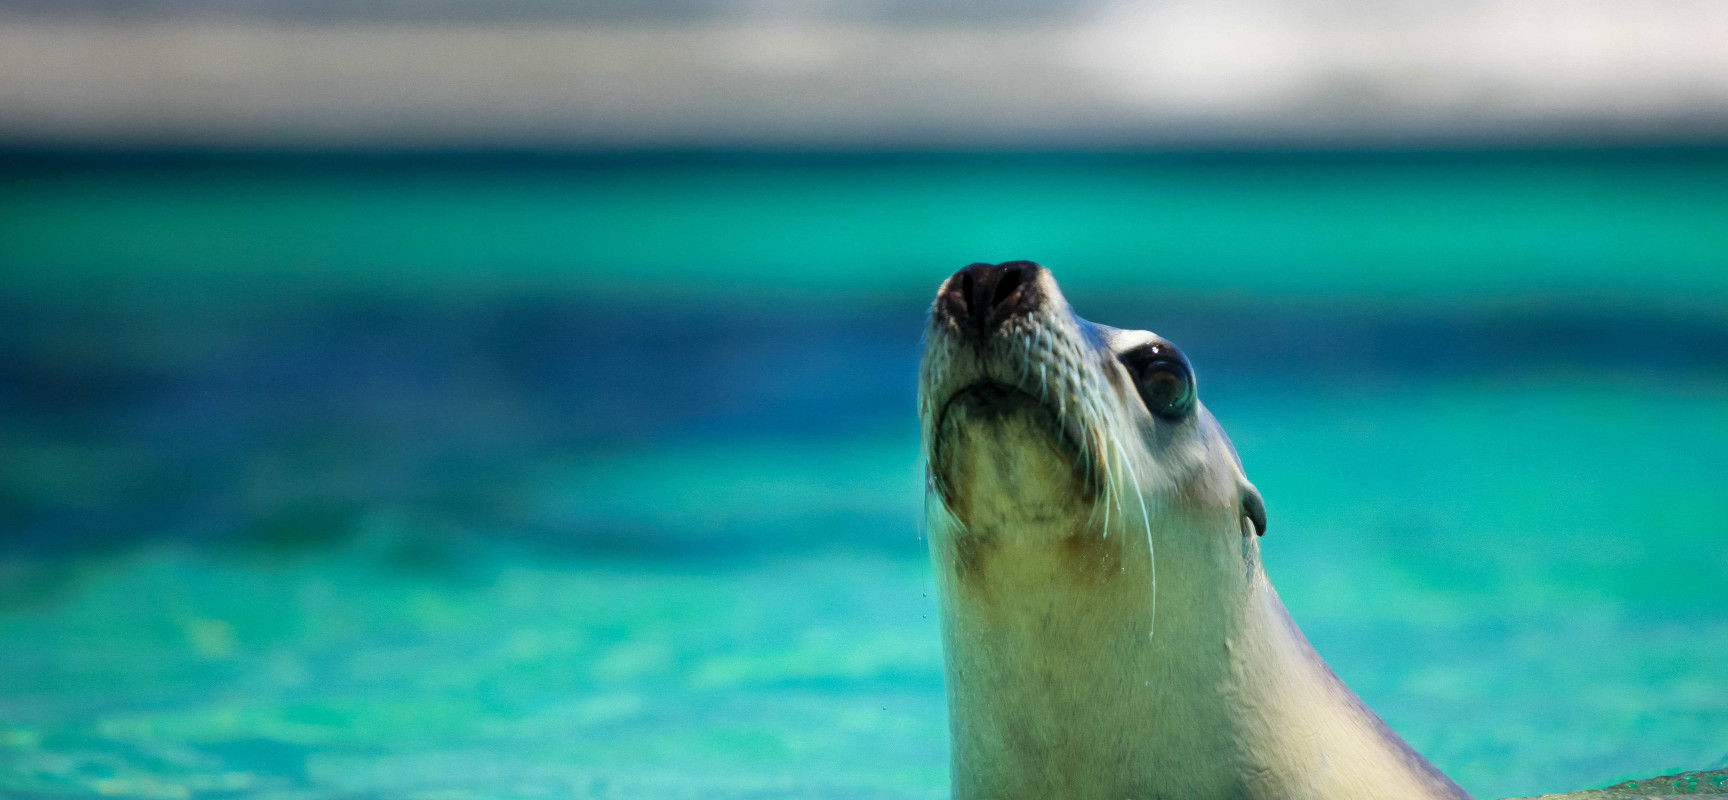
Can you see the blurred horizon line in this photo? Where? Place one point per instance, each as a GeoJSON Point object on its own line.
{"type": "Point", "coordinates": [19, 152]}
{"type": "Point", "coordinates": [863, 75]}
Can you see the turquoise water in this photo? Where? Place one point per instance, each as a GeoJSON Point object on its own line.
{"type": "Point", "coordinates": [546, 479]}
{"type": "Point", "coordinates": [1470, 224]}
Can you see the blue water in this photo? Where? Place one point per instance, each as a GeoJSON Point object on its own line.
{"type": "Point", "coordinates": [339, 539]}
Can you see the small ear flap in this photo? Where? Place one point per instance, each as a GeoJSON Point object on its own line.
{"type": "Point", "coordinates": [1254, 508]}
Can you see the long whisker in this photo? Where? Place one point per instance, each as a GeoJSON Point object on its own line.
{"type": "Point", "coordinates": [1105, 439]}
{"type": "Point", "coordinates": [1151, 555]}
{"type": "Point", "coordinates": [1109, 486]}
{"type": "Point", "coordinates": [1115, 496]}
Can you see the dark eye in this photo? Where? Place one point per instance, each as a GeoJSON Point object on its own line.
{"type": "Point", "coordinates": [1165, 380]}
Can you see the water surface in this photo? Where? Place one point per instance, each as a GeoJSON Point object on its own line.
{"type": "Point", "coordinates": [553, 478]}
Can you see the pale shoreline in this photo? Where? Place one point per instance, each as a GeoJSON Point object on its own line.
{"type": "Point", "coordinates": [1248, 72]}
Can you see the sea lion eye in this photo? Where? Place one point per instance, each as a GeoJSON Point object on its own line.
{"type": "Point", "coordinates": [1165, 380]}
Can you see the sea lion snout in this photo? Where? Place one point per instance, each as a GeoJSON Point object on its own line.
{"type": "Point", "coordinates": [980, 297]}
{"type": "Point", "coordinates": [1002, 343]}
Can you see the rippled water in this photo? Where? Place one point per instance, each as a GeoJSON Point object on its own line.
{"type": "Point", "coordinates": [360, 543]}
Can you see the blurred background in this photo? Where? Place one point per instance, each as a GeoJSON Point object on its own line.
{"type": "Point", "coordinates": [514, 398]}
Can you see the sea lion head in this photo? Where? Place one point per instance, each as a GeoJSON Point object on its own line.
{"type": "Point", "coordinates": [1043, 429]}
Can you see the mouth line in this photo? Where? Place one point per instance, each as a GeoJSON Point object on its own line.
{"type": "Point", "coordinates": [996, 396]}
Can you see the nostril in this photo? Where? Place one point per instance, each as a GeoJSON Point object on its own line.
{"type": "Point", "coordinates": [1006, 285]}
{"type": "Point", "coordinates": [980, 296]}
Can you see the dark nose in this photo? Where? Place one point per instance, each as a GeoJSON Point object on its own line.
{"type": "Point", "coordinates": [981, 296]}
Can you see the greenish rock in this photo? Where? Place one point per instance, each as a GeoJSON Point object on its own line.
{"type": "Point", "coordinates": [1696, 784]}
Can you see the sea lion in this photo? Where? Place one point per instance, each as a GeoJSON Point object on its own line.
{"type": "Point", "coordinates": [1108, 629]}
